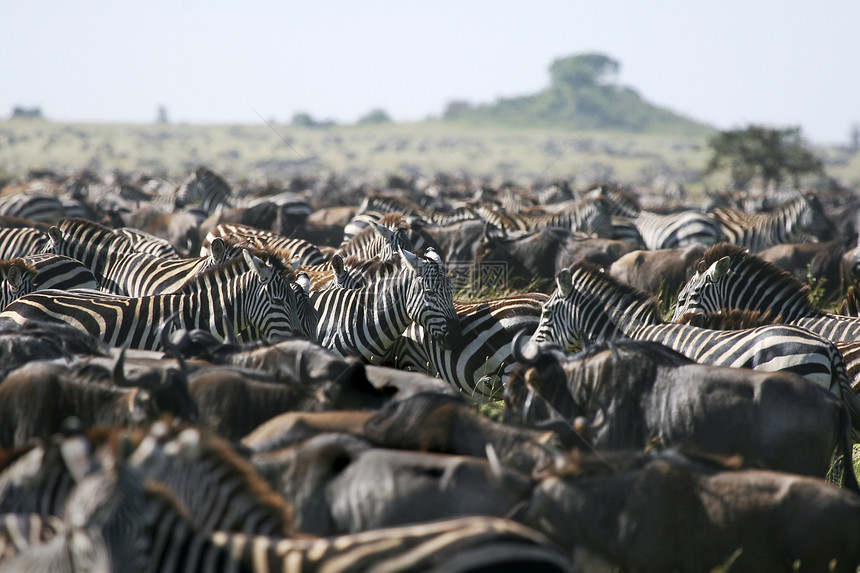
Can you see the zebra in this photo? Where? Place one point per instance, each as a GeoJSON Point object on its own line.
{"type": "Point", "coordinates": [40, 272]}
{"type": "Point", "coordinates": [365, 322]}
{"type": "Point", "coordinates": [36, 206]}
{"type": "Point", "coordinates": [307, 252]}
{"type": "Point", "coordinates": [801, 219]}
{"type": "Point", "coordinates": [206, 187]}
{"type": "Point", "coordinates": [590, 216]}
{"type": "Point", "coordinates": [368, 236]}
{"type": "Point", "coordinates": [677, 230]}
{"type": "Point", "coordinates": [589, 305]}
{"type": "Point", "coordinates": [658, 230]}
{"type": "Point", "coordinates": [142, 274]}
{"type": "Point", "coordinates": [245, 292]}
{"type": "Point", "coordinates": [147, 243]}
{"type": "Point", "coordinates": [729, 277]}
{"type": "Point", "coordinates": [479, 365]}
{"type": "Point", "coordinates": [22, 241]}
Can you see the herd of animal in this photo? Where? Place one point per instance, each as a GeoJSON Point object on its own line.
{"type": "Point", "coordinates": [428, 374]}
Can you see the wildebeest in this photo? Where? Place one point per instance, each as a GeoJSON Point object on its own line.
{"type": "Point", "coordinates": [664, 511]}
{"type": "Point", "coordinates": [663, 270]}
{"type": "Point", "coordinates": [340, 484]}
{"type": "Point", "coordinates": [542, 253]}
{"type": "Point", "coordinates": [36, 398]}
{"type": "Point", "coordinates": [634, 393]}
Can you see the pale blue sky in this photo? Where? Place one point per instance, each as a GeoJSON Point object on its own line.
{"type": "Point", "coordinates": [727, 63]}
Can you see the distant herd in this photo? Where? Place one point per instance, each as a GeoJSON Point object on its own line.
{"type": "Point", "coordinates": [425, 374]}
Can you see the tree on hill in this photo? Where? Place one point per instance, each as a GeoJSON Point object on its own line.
{"type": "Point", "coordinates": [21, 112]}
{"type": "Point", "coordinates": [583, 94]}
{"type": "Point", "coordinates": [375, 116]}
{"type": "Point", "coordinates": [773, 155]}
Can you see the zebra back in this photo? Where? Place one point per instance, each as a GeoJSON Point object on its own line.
{"type": "Point", "coordinates": [480, 364]}
{"type": "Point", "coordinates": [307, 252]}
{"type": "Point", "coordinates": [590, 305]}
{"type": "Point", "coordinates": [244, 293]}
{"type": "Point", "coordinates": [205, 187]}
{"type": "Point", "coordinates": [728, 277]}
{"type": "Point", "coordinates": [21, 241]}
{"type": "Point", "coordinates": [800, 220]}
{"type": "Point", "coordinates": [143, 242]}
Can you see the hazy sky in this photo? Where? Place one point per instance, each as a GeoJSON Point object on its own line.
{"type": "Point", "coordinates": [728, 62]}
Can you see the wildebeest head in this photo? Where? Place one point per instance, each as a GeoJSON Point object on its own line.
{"type": "Point", "coordinates": [160, 391]}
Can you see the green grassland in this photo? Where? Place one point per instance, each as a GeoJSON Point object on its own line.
{"type": "Point", "coordinates": [278, 151]}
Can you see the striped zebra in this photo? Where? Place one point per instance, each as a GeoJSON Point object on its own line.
{"type": "Point", "coordinates": [365, 322]}
{"type": "Point", "coordinates": [118, 522]}
{"type": "Point", "coordinates": [41, 272]}
{"type": "Point", "coordinates": [21, 241]}
{"type": "Point", "coordinates": [21, 531]}
{"type": "Point", "coordinates": [800, 220]}
{"type": "Point", "coordinates": [658, 230]}
{"type": "Point", "coordinates": [590, 216]}
{"type": "Point", "coordinates": [307, 252]}
{"type": "Point", "coordinates": [677, 230]}
{"type": "Point", "coordinates": [369, 236]}
{"type": "Point", "coordinates": [245, 292]}
{"type": "Point", "coordinates": [36, 206]}
{"type": "Point", "coordinates": [728, 277]}
{"type": "Point", "coordinates": [589, 305]}
{"type": "Point", "coordinates": [142, 274]}
{"type": "Point", "coordinates": [143, 242]}
{"type": "Point", "coordinates": [205, 187]}
{"type": "Point", "coordinates": [481, 361]}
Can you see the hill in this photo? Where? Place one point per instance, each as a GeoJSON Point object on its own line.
{"type": "Point", "coordinates": [582, 95]}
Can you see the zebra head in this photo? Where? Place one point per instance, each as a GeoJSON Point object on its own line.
{"type": "Point", "coordinates": [698, 295]}
{"type": "Point", "coordinates": [271, 307]}
{"type": "Point", "coordinates": [431, 297]}
{"type": "Point", "coordinates": [16, 279]}
{"type": "Point", "coordinates": [556, 326]}
{"type": "Point", "coordinates": [811, 218]}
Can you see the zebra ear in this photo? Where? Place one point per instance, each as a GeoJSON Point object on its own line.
{"type": "Point", "coordinates": [383, 231]}
{"type": "Point", "coordinates": [304, 281]}
{"type": "Point", "coordinates": [55, 234]}
{"type": "Point", "coordinates": [721, 267]}
{"type": "Point", "coordinates": [337, 264]}
{"type": "Point", "coordinates": [414, 261]}
{"type": "Point", "coordinates": [13, 275]}
{"type": "Point", "coordinates": [258, 267]}
{"type": "Point", "coordinates": [217, 248]}
{"type": "Point", "coordinates": [564, 282]}
{"type": "Point", "coordinates": [431, 254]}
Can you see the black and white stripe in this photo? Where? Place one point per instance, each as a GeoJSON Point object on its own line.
{"type": "Point", "coordinates": [243, 293]}
{"type": "Point", "coordinates": [589, 305]}
{"type": "Point", "coordinates": [800, 220]}
{"type": "Point", "coordinates": [481, 361]}
{"type": "Point", "coordinates": [728, 277]}
{"type": "Point", "coordinates": [365, 322]}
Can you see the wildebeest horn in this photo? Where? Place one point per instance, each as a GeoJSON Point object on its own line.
{"type": "Point", "coordinates": [119, 370]}
{"type": "Point", "coordinates": [519, 485]}
{"type": "Point", "coordinates": [169, 347]}
{"type": "Point", "coordinates": [524, 350]}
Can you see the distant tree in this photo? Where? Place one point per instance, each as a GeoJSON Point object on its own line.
{"type": "Point", "coordinates": [855, 137]}
{"type": "Point", "coordinates": [582, 71]}
{"type": "Point", "coordinates": [303, 119]}
{"type": "Point", "coordinates": [162, 116]}
{"type": "Point", "coordinates": [375, 116]}
{"type": "Point", "coordinates": [21, 112]}
{"type": "Point", "coordinates": [771, 154]}
{"type": "Point", "coordinates": [454, 108]}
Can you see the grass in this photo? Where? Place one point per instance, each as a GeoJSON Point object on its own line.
{"type": "Point", "coordinates": [280, 151]}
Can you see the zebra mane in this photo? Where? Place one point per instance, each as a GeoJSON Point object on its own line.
{"type": "Point", "coordinates": [734, 319]}
{"type": "Point", "coordinates": [766, 271]}
{"type": "Point", "coordinates": [76, 225]}
{"type": "Point", "coordinates": [590, 278]}
{"type": "Point", "coordinates": [210, 446]}
{"type": "Point", "coordinates": [663, 354]}
{"type": "Point", "coordinates": [237, 265]}
{"type": "Point", "coordinates": [25, 266]}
